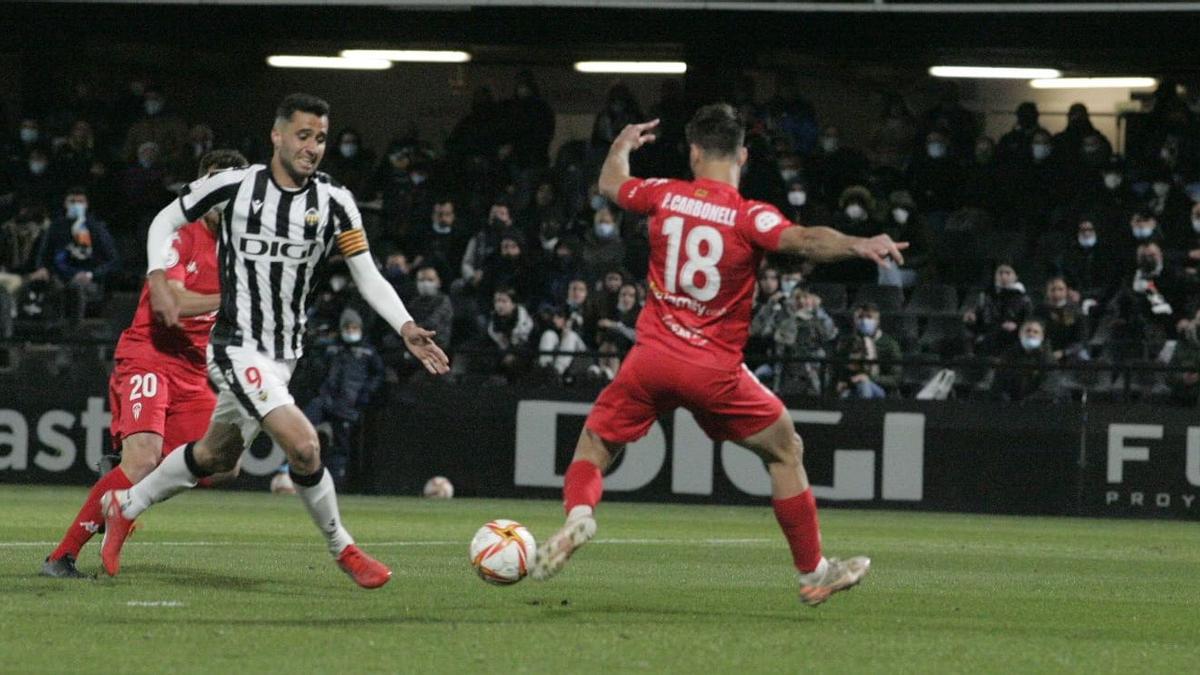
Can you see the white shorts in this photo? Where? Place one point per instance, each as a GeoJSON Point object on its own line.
{"type": "Point", "coordinates": [249, 384]}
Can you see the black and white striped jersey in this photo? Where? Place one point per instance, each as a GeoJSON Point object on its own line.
{"type": "Point", "coordinates": [270, 244]}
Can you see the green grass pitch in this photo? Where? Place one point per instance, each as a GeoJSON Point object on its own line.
{"type": "Point", "coordinates": [240, 582]}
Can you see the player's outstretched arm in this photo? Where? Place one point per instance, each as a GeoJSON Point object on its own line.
{"type": "Point", "coordinates": [824, 244]}
{"type": "Point", "coordinates": [383, 299]}
{"type": "Point", "coordinates": [163, 302]}
{"type": "Point", "coordinates": [615, 171]}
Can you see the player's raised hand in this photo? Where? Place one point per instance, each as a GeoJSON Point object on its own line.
{"type": "Point", "coordinates": [420, 342]}
{"type": "Point", "coordinates": [881, 249]}
{"type": "Point", "coordinates": [163, 302]}
{"type": "Point", "coordinates": [637, 135]}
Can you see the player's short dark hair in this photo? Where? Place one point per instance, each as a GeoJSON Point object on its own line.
{"type": "Point", "coordinates": [716, 129]}
{"type": "Point", "coordinates": [76, 190]}
{"type": "Point", "coordinates": [215, 160]}
{"type": "Point", "coordinates": [293, 103]}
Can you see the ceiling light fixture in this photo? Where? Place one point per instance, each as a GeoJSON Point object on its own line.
{"type": "Point", "coordinates": [633, 67]}
{"type": "Point", "coordinates": [986, 72]}
{"type": "Point", "coordinates": [409, 55]}
{"type": "Point", "coordinates": [327, 62]}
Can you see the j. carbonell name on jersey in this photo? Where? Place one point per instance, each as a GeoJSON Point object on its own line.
{"type": "Point", "coordinates": [698, 208]}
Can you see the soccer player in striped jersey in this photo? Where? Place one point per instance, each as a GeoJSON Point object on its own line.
{"type": "Point", "coordinates": [280, 221]}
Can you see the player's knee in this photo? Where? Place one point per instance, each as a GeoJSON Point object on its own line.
{"type": "Point", "coordinates": [305, 454]}
{"type": "Point", "coordinates": [140, 453]}
{"type": "Point", "coordinates": [789, 452]}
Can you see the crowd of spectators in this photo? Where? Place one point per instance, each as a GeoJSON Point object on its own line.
{"type": "Point", "coordinates": [1033, 248]}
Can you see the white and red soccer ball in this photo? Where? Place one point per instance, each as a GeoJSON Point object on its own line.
{"type": "Point", "coordinates": [439, 487]}
{"type": "Point", "coordinates": [502, 552]}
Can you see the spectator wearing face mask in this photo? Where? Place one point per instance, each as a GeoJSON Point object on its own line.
{"type": "Point", "coordinates": [801, 329]}
{"type": "Point", "coordinates": [617, 332]}
{"type": "Point", "coordinates": [856, 208]}
{"type": "Point", "coordinates": [144, 190]}
{"type": "Point", "coordinates": [1184, 247]}
{"type": "Point", "coordinates": [28, 138]}
{"type": "Point", "coordinates": [1143, 228]}
{"type": "Point", "coordinates": [1028, 376]}
{"type": "Point", "coordinates": [835, 166]}
{"type": "Point", "coordinates": [351, 373]}
{"type": "Point", "coordinates": [160, 126]}
{"type": "Point", "coordinates": [934, 175]}
{"type": "Point", "coordinates": [1064, 323]}
{"type": "Point", "coordinates": [1087, 266]}
{"type": "Point", "coordinates": [802, 206]}
{"type": "Point", "coordinates": [510, 329]}
{"type": "Point", "coordinates": [881, 375]}
{"type": "Point", "coordinates": [1070, 141]}
{"type": "Point", "coordinates": [603, 248]}
{"type": "Point", "coordinates": [431, 309]}
{"type": "Point", "coordinates": [76, 256]}
{"type": "Point", "coordinates": [998, 312]}
{"type": "Point", "coordinates": [1014, 148]}
{"type": "Point", "coordinates": [440, 241]}
{"type": "Point", "coordinates": [74, 159]}
{"type": "Point", "coordinates": [1168, 203]}
{"type": "Point", "coordinates": [905, 223]}
{"type": "Point", "coordinates": [350, 163]}
{"type": "Point", "coordinates": [36, 179]}
{"type": "Point", "coordinates": [1150, 302]}
{"type": "Point", "coordinates": [1036, 186]}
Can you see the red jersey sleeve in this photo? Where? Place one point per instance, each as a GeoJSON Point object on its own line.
{"type": "Point", "coordinates": [181, 245]}
{"type": "Point", "coordinates": [762, 225]}
{"type": "Point", "coordinates": [641, 195]}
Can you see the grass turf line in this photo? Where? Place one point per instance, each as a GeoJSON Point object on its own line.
{"type": "Point", "coordinates": [947, 593]}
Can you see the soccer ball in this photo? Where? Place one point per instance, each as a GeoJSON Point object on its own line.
{"type": "Point", "coordinates": [502, 552]}
{"type": "Point", "coordinates": [439, 487]}
{"type": "Point", "coordinates": [281, 484]}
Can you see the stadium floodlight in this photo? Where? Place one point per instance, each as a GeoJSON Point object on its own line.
{"type": "Point", "coordinates": [409, 55]}
{"type": "Point", "coordinates": [990, 73]}
{"type": "Point", "coordinates": [632, 67]}
{"type": "Point", "coordinates": [331, 62]}
{"type": "Point", "coordinates": [1095, 83]}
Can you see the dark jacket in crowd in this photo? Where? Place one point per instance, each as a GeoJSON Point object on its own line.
{"type": "Point", "coordinates": [352, 374]}
{"type": "Point", "coordinates": [67, 250]}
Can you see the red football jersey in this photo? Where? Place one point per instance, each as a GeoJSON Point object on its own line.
{"type": "Point", "coordinates": [193, 261]}
{"type": "Point", "coordinates": [706, 243]}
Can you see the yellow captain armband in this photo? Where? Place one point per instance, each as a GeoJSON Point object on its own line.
{"type": "Point", "coordinates": [352, 242]}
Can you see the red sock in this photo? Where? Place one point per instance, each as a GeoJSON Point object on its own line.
{"type": "Point", "coordinates": [89, 518]}
{"type": "Point", "coordinates": [797, 518]}
{"type": "Point", "coordinates": [583, 485]}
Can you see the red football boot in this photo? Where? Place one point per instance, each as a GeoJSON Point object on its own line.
{"type": "Point", "coordinates": [116, 529]}
{"type": "Point", "coordinates": [362, 568]}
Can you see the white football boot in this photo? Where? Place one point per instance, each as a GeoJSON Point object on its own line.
{"type": "Point", "coordinates": [552, 554]}
{"type": "Point", "coordinates": [837, 575]}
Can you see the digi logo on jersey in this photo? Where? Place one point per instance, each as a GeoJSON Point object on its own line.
{"type": "Point", "coordinates": [252, 247]}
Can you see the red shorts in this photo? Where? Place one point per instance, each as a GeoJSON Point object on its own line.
{"type": "Point", "coordinates": [164, 399]}
{"type": "Point", "coordinates": [728, 405]}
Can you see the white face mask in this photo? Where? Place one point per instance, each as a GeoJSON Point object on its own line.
{"type": "Point", "coordinates": [1112, 181]}
{"type": "Point", "coordinates": [900, 215]}
{"type": "Point", "coordinates": [1087, 240]}
{"type": "Point", "coordinates": [787, 286]}
{"type": "Point", "coordinates": [336, 283]}
{"type": "Point", "coordinates": [1030, 342]}
{"type": "Point", "coordinates": [352, 337]}
{"type": "Point", "coordinates": [153, 107]}
{"type": "Point", "coordinates": [427, 287]}
{"type": "Point", "coordinates": [605, 230]}
{"type": "Point", "coordinates": [417, 178]}
{"type": "Point", "coordinates": [1040, 151]}
{"type": "Point", "coordinates": [1161, 189]}
{"type": "Point", "coordinates": [829, 145]}
{"type": "Point", "coordinates": [936, 150]}
{"type": "Point", "coordinates": [788, 174]}
{"type": "Point", "coordinates": [1196, 224]}
{"type": "Point", "coordinates": [867, 326]}
{"type": "Point", "coordinates": [76, 211]}
{"type": "Point", "coordinates": [856, 212]}
{"type": "Point", "coordinates": [37, 167]}
{"type": "Point", "coordinates": [1143, 232]}
{"type": "Point", "coordinates": [349, 149]}
{"type": "Point", "coordinates": [598, 202]}
{"type": "Point", "coordinates": [29, 135]}
{"type": "Point", "coordinates": [797, 197]}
